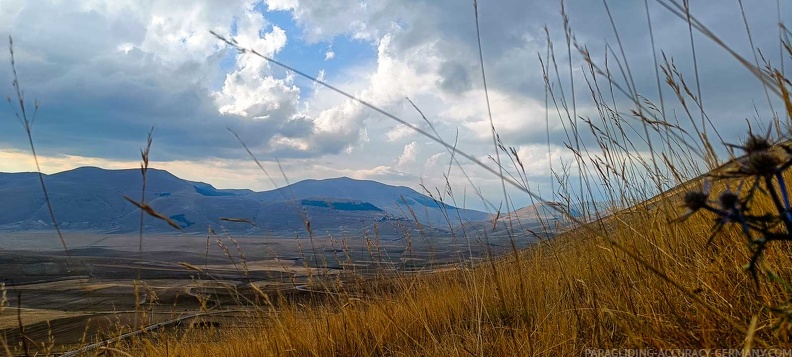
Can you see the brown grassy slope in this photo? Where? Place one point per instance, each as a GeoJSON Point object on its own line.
{"type": "Point", "coordinates": [571, 293]}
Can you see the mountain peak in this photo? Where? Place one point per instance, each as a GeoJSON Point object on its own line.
{"type": "Point", "coordinates": [93, 198]}
{"type": "Point", "coordinates": [336, 179]}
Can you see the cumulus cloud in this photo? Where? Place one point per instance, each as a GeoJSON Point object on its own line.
{"type": "Point", "coordinates": [258, 97]}
{"type": "Point", "coordinates": [250, 90]}
{"type": "Point", "coordinates": [106, 72]}
{"type": "Point", "coordinates": [408, 155]}
{"type": "Point", "coordinates": [138, 65]}
{"type": "Point", "coordinates": [432, 162]}
{"type": "Point", "coordinates": [399, 132]}
{"type": "Point", "coordinates": [337, 127]}
{"type": "Point", "coordinates": [430, 52]}
{"type": "Point", "coordinates": [281, 5]}
{"type": "Point", "coordinates": [322, 20]}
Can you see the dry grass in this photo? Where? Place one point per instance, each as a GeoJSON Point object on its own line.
{"type": "Point", "coordinates": [640, 278]}
{"type": "Point", "coordinates": [579, 293]}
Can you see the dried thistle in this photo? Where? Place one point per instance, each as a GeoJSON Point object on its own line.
{"type": "Point", "coordinates": [728, 200]}
{"type": "Point", "coordinates": [763, 166]}
{"type": "Point", "coordinates": [695, 200]}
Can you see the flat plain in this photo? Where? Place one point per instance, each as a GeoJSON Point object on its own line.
{"type": "Point", "coordinates": [105, 284]}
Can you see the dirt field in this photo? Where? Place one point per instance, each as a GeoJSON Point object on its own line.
{"type": "Point", "coordinates": [105, 285]}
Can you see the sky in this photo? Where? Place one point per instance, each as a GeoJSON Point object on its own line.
{"type": "Point", "coordinates": [106, 72]}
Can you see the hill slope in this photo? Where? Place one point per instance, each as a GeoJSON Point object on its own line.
{"type": "Point", "coordinates": [396, 200]}
{"type": "Point", "coordinates": [91, 198]}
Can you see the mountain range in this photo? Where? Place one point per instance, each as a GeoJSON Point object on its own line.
{"type": "Point", "coordinates": [90, 198]}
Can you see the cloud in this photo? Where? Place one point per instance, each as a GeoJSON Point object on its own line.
{"type": "Point", "coordinates": [432, 162]}
{"type": "Point", "coordinates": [382, 173]}
{"type": "Point", "coordinates": [329, 55]}
{"type": "Point", "coordinates": [324, 20]}
{"type": "Point", "coordinates": [399, 132]}
{"type": "Point", "coordinates": [296, 127]}
{"type": "Point", "coordinates": [250, 90]}
{"type": "Point", "coordinates": [337, 127]}
{"type": "Point", "coordinates": [408, 156]}
{"type": "Point", "coordinates": [221, 173]}
{"type": "Point", "coordinates": [454, 77]}
{"type": "Point", "coordinates": [255, 97]}
{"type": "Point", "coordinates": [141, 65]}
{"type": "Point", "coordinates": [105, 73]}
{"type": "Point", "coordinates": [281, 5]}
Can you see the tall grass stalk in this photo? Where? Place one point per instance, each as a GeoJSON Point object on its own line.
{"type": "Point", "coordinates": [27, 121]}
{"type": "Point", "coordinates": [144, 165]}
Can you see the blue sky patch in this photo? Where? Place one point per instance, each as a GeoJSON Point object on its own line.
{"type": "Point", "coordinates": [310, 57]}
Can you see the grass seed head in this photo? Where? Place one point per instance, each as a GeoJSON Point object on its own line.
{"type": "Point", "coordinates": [756, 143]}
{"type": "Point", "coordinates": [760, 163]}
{"type": "Point", "coordinates": [695, 200]}
{"type": "Point", "coordinates": [728, 200]}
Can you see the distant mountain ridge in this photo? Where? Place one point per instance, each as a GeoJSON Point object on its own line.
{"type": "Point", "coordinates": [552, 217]}
{"type": "Point", "coordinates": [396, 200]}
{"type": "Point", "coordinates": [91, 198]}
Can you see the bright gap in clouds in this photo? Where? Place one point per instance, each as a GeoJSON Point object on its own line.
{"type": "Point", "coordinates": [313, 57]}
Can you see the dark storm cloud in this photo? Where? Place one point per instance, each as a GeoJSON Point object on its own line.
{"type": "Point", "coordinates": [100, 92]}
{"type": "Point", "coordinates": [106, 106]}
{"type": "Point", "coordinates": [454, 78]}
{"type": "Point", "coordinates": [297, 127]}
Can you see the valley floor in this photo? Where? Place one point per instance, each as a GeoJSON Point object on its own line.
{"type": "Point", "coordinates": [105, 287]}
{"type": "Point", "coordinates": [636, 280]}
